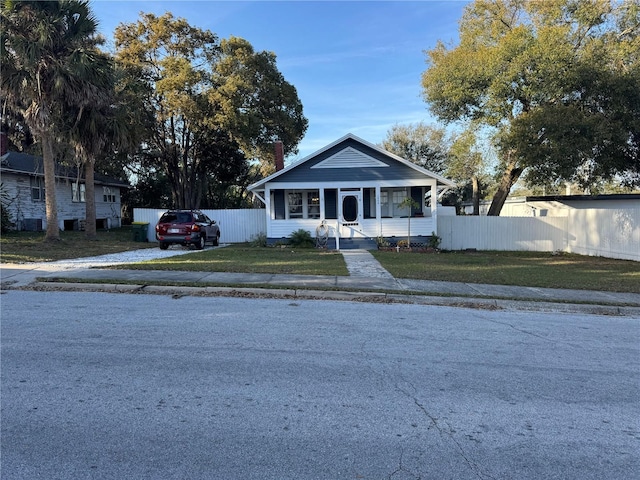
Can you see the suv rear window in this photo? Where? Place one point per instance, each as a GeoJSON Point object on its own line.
{"type": "Point", "coordinates": [175, 217]}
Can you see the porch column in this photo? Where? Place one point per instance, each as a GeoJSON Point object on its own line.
{"type": "Point", "coordinates": [378, 210]}
{"type": "Point", "coordinates": [434, 206]}
{"type": "Point", "coordinates": [322, 211]}
{"type": "Point", "coordinates": [267, 207]}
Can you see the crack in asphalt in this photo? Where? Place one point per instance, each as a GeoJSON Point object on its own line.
{"type": "Point", "coordinates": [526, 332]}
{"type": "Point", "coordinates": [445, 432]}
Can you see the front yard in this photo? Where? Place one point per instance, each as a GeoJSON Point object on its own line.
{"type": "Point", "coordinates": [535, 269]}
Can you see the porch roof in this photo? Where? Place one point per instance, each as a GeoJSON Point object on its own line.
{"type": "Point", "coordinates": [352, 143]}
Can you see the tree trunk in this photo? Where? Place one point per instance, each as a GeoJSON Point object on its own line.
{"type": "Point", "coordinates": [90, 199]}
{"type": "Point", "coordinates": [475, 196]}
{"type": "Point", "coordinates": [509, 177]}
{"type": "Point", "coordinates": [53, 229]}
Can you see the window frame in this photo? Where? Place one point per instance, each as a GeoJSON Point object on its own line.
{"type": "Point", "coordinates": [78, 192]}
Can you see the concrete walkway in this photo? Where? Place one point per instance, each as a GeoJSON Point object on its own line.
{"type": "Point", "coordinates": [365, 275]}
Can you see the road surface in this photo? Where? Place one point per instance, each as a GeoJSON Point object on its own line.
{"type": "Point", "coordinates": [119, 386]}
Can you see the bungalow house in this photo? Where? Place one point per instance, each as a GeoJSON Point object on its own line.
{"type": "Point", "coordinates": [23, 195]}
{"type": "Point", "coordinates": [351, 193]}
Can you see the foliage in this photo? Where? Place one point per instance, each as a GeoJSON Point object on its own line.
{"type": "Point", "coordinates": [215, 105]}
{"type": "Point", "coordinates": [382, 242]}
{"type": "Point", "coordinates": [255, 103]}
{"type": "Point", "coordinates": [434, 241]}
{"type": "Point", "coordinates": [259, 240]}
{"type": "Point", "coordinates": [47, 53]}
{"type": "Point", "coordinates": [424, 145]}
{"type": "Point", "coordinates": [301, 238]}
{"type": "Point", "coordinates": [6, 223]}
{"type": "Point", "coordinates": [559, 82]}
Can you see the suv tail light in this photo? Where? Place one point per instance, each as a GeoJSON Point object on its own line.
{"type": "Point", "coordinates": [195, 227]}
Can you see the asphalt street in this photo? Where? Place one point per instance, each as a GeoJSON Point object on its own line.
{"type": "Point", "coordinates": [112, 386]}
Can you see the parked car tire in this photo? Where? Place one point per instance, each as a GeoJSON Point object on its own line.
{"type": "Point", "coordinates": [200, 243]}
{"type": "Point", "coordinates": [216, 240]}
{"type": "Point", "coordinates": [163, 246]}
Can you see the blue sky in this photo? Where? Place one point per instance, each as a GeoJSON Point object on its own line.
{"type": "Point", "coordinates": [355, 64]}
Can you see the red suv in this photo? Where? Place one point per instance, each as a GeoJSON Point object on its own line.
{"type": "Point", "coordinates": [186, 227]}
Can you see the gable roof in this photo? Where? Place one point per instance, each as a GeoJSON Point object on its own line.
{"type": "Point", "coordinates": [25, 164]}
{"type": "Point", "coordinates": [350, 157]}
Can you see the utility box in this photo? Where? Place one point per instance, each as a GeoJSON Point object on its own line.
{"type": "Point", "coordinates": [140, 230]}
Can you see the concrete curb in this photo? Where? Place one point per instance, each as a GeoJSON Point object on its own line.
{"type": "Point", "coordinates": [373, 297]}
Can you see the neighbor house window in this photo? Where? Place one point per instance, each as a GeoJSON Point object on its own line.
{"type": "Point", "coordinates": [37, 189]}
{"type": "Point", "coordinates": [108, 195]}
{"type": "Point", "coordinates": [78, 191]}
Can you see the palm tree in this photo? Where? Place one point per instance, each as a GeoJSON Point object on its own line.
{"type": "Point", "coordinates": [47, 50]}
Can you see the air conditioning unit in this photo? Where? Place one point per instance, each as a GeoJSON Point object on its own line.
{"type": "Point", "coordinates": [32, 224]}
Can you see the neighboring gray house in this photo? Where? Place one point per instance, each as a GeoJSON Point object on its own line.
{"type": "Point", "coordinates": [352, 191]}
{"type": "Point", "coordinates": [23, 187]}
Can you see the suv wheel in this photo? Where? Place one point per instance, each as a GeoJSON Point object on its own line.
{"type": "Point", "coordinates": [163, 246]}
{"type": "Point", "coordinates": [200, 243]}
{"type": "Point", "coordinates": [216, 240]}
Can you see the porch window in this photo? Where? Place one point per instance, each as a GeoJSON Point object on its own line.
{"type": "Point", "coordinates": [295, 204]}
{"type": "Point", "coordinates": [37, 189]}
{"type": "Point", "coordinates": [108, 195]}
{"type": "Point", "coordinates": [78, 192]}
{"type": "Point", "coordinates": [313, 204]}
{"type": "Point", "coordinates": [384, 203]}
{"type": "Point", "coordinates": [390, 200]}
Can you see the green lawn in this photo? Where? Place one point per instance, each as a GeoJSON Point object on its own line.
{"type": "Point", "coordinates": [534, 269]}
{"type": "Point", "coordinates": [501, 268]}
{"type": "Point", "coordinates": [20, 247]}
{"type": "Point", "coordinates": [244, 258]}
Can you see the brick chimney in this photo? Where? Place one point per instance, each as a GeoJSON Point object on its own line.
{"type": "Point", "coordinates": [279, 151]}
{"type": "Point", "coordinates": [3, 143]}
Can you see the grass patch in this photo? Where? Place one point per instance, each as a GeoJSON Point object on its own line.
{"type": "Point", "coordinates": [24, 247]}
{"type": "Point", "coordinates": [243, 258]}
{"type": "Point", "coordinates": [530, 269]}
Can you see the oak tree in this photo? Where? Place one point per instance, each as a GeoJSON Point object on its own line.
{"type": "Point", "coordinates": [558, 81]}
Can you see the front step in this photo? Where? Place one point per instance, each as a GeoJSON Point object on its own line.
{"type": "Point", "coordinates": [353, 244]}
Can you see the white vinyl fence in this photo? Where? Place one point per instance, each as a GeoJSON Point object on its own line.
{"type": "Point", "coordinates": [613, 233]}
{"type": "Point", "coordinates": [236, 226]}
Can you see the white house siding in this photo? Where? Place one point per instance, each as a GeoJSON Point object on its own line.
{"type": "Point", "coordinates": [23, 209]}
{"type": "Point", "coordinates": [367, 227]}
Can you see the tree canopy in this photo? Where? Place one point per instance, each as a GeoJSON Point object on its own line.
{"type": "Point", "coordinates": [215, 105]}
{"type": "Point", "coordinates": [422, 144]}
{"type": "Point", "coordinates": [49, 52]}
{"type": "Point", "coordinates": [558, 82]}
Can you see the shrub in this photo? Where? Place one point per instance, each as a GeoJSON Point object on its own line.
{"type": "Point", "coordinates": [259, 240]}
{"type": "Point", "coordinates": [4, 213]}
{"type": "Point", "coordinates": [434, 241]}
{"type": "Point", "coordinates": [301, 238]}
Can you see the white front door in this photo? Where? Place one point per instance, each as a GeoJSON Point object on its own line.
{"type": "Point", "coordinates": [350, 213]}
